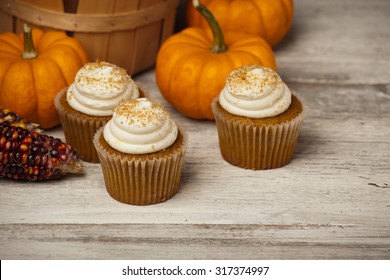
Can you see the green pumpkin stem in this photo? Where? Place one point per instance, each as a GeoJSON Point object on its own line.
{"type": "Point", "coordinates": [218, 45]}
{"type": "Point", "coordinates": [29, 50]}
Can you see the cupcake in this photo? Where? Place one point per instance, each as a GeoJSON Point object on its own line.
{"type": "Point", "coordinates": [89, 103]}
{"type": "Point", "coordinates": [258, 119]}
{"type": "Point", "coordinates": [141, 151]}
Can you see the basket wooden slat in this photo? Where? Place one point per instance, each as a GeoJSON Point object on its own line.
{"type": "Point", "coordinates": [6, 22]}
{"type": "Point", "coordinates": [126, 33]}
{"type": "Point", "coordinates": [145, 45]}
{"type": "Point", "coordinates": [99, 44]}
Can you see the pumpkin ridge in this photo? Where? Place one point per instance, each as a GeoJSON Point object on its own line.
{"type": "Point", "coordinates": [179, 66]}
{"type": "Point", "coordinates": [281, 25]}
{"type": "Point", "coordinates": [50, 39]}
{"type": "Point", "coordinates": [284, 7]}
{"type": "Point", "coordinates": [44, 100]}
{"type": "Point", "coordinates": [75, 53]}
{"type": "Point", "coordinates": [53, 45]}
{"type": "Point", "coordinates": [3, 78]}
{"type": "Point", "coordinates": [224, 19]}
{"type": "Point", "coordinates": [58, 41]}
{"type": "Point", "coordinates": [199, 96]}
{"type": "Point", "coordinates": [70, 43]}
{"type": "Point", "coordinates": [70, 53]}
{"type": "Point", "coordinates": [37, 107]}
{"type": "Point", "coordinates": [184, 44]}
{"type": "Point", "coordinates": [222, 62]}
{"type": "Point", "coordinates": [266, 58]}
{"type": "Point", "coordinates": [59, 68]}
{"type": "Point", "coordinates": [288, 9]}
{"type": "Point", "coordinates": [227, 55]}
{"type": "Point", "coordinates": [14, 99]}
{"type": "Point", "coordinates": [35, 91]}
{"type": "Point", "coordinates": [254, 58]}
{"type": "Point", "coordinates": [260, 59]}
{"type": "Point", "coordinates": [11, 47]}
{"type": "Point", "coordinates": [197, 35]}
{"type": "Point", "coordinates": [265, 35]}
{"type": "Point", "coordinates": [243, 40]}
{"type": "Point", "coordinates": [3, 41]}
{"type": "Point", "coordinates": [8, 54]}
{"type": "Point", "coordinates": [260, 45]}
{"type": "Point", "coordinates": [163, 82]}
{"type": "Point", "coordinates": [11, 40]}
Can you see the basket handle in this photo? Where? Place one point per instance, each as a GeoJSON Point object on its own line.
{"type": "Point", "coordinates": [85, 22]}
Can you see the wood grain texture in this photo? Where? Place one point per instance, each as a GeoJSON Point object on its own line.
{"type": "Point", "coordinates": [331, 202]}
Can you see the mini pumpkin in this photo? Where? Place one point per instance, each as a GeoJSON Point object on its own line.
{"type": "Point", "coordinates": [190, 73]}
{"type": "Point", "coordinates": [34, 67]}
{"type": "Point", "coordinates": [270, 19]}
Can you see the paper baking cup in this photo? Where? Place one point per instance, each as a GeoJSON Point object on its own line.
{"type": "Point", "coordinates": [79, 128]}
{"type": "Point", "coordinates": [256, 146]}
{"type": "Point", "coordinates": [139, 180]}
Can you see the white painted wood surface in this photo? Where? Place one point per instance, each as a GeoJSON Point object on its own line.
{"type": "Point", "coordinates": [331, 202]}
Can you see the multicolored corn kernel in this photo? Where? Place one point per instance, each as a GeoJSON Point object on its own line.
{"type": "Point", "coordinates": [29, 155]}
{"type": "Point", "coordinates": [11, 118]}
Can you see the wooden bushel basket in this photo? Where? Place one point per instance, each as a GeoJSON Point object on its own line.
{"type": "Point", "coordinates": [127, 33]}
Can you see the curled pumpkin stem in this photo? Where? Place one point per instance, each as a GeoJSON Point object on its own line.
{"type": "Point", "coordinates": [29, 50]}
{"type": "Point", "coordinates": [218, 45]}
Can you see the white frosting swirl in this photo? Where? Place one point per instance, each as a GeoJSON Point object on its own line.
{"type": "Point", "coordinates": [256, 92]}
{"type": "Point", "coordinates": [140, 126]}
{"type": "Point", "coordinates": [99, 87]}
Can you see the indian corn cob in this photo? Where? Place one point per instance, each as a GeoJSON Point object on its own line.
{"type": "Point", "coordinates": [29, 155]}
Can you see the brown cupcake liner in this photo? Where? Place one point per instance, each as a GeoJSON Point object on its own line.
{"type": "Point", "coordinates": [141, 180]}
{"type": "Point", "coordinates": [79, 128]}
{"type": "Point", "coordinates": [254, 146]}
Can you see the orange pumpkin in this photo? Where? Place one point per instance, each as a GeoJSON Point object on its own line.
{"type": "Point", "coordinates": [34, 67]}
{"type": "Point", "coordinates": [270, 19]}
{"type": "Point", "coordinates": [190, 73]}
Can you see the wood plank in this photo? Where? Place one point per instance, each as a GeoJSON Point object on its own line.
{"type": "Point", "coordinates": [147, 41]}
{"type": "Point", "coordinates": [145, 241]}
{"type": "Point", "coordinates": [343, 42]}
{"type": "Point", "coordinates": [6, 22]}
{"type": "Point", "coordinates": [55, 5]}
{"type": "Point", "coordinates": [124, 54]}
{"type": "Point", "coordinates": [97, 46]}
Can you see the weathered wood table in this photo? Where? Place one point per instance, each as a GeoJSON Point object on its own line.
{"type": "Point", "coordinates": [331, 202]}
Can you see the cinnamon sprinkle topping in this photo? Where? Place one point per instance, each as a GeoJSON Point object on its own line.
{"type": "Point", "coordinates": [104, 76]}
{"type": "Point", "coordinates": [251, 79]}
{"type": "Point", "coordinates": [141, 112]}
